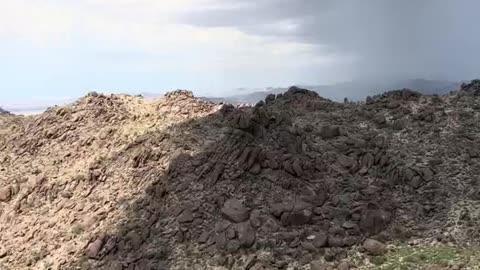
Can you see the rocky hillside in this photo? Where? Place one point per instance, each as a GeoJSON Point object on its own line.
{"type": "Point", "coordinates": [295, 182]}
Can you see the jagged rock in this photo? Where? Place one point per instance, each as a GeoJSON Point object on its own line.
{"type": "Point", "coordinates": [270, 98]}
{"type": "Point", "coordinates": [374, 247]}
{"type": "Point", "coordinates": [234, 211]}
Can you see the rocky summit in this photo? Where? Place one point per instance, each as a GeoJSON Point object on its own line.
{"type": "Point", "coordinates": [295, 182]}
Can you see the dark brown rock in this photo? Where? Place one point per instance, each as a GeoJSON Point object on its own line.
{"type": "Point", "coordinates": [379, 119]}
{"type": "Point", "coordinates": [296, 218]}
{"type": "Point", "coordinates": [335, 241]}
{"type": "Point", "coordinates": [329, 132]}
{"type": "Point", "coordinates": [256, 169]}
{"type": "Point", "coordinates": [287, 166]}
{"type": "Point", "coordinates": [270, 226]}
{"type": "Point", "coordinates": [374, 247]}
{"type": "Point", "coordinates": [373, 221]}
{"type": "Point", "coordinates": [297, 167]}
{"type": "Point", "coordinates": [232, 246]}
{"type": "Point", "coordinates": [255, 219]}
{"type": "Point", "coordinates": [320, 240]}
{"type": "Point", "coordinates": [427, 174]}
{"type": "Point", "coordinates": [220, 240]}
{"type": "Point", "coordinates": [308, 247]}
{"type": "Point", "coordinates": [186, 216]}
{"type": "Point", "coordinates": [234, 211]}
{"type": "Point", "coordinates": [203, 238]}
{"type": "Point", "coordinates": [368, 160]}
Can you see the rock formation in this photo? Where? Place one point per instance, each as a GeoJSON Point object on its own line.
{"type": "Point", "coordinates": [119, 182]}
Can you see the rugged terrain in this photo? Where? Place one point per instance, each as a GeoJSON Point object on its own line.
{"type": "Point", "coordinates": [295, 182]}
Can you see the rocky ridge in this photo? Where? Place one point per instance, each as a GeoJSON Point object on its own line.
{"type": "Point", "coordinates": [295, 182]}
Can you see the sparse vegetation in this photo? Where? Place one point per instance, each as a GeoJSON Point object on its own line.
{"type": "Point", "coordinates": [408, 258]}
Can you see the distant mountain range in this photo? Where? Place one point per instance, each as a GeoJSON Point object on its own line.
{"type": "Point", "coordinates": [354, 91]}
{"type": "Point", "coordinates": [2, 111]}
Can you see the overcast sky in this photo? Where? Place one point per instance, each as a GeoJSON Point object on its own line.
{"type": "Point", "coordinates": [56, 49]}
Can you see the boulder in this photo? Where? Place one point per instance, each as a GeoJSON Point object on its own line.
{"type": "Point", "coordinates": [330, 132]}
{"type": "Point", "coordinates": [94, 248]}
{"type": "Point", "coordinates": [235, 211]}
{"type": "Point", "coordinates": [320, 240]}
{"type": "Point", "coordinates": [374, 247]}
{"type": "Point", "coordinates": [374, 221]}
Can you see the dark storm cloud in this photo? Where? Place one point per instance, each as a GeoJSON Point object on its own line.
{"type": "Point", "coordinates": [427, 38]}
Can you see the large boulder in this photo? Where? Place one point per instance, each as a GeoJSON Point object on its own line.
{"type": "Point", "coordinates": [374, 247]}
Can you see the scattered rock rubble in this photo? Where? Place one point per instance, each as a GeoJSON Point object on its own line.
{"type": "Point", "coordinates": [295, 182]}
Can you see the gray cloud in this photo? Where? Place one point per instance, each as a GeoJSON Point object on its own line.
{"type": "Point", "coordinates": [388, 38]}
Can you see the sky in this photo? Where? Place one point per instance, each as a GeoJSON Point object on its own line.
{"type": "Point", "coordinates": [62, 49]}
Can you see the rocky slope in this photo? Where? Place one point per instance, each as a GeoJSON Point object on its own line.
{"type": "Point", "coordinates": [296, 182]}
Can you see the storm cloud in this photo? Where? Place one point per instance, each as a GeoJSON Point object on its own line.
{"type": "Point", "coordinates": [384, 38]}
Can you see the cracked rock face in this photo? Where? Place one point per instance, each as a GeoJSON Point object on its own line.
{"type": "Point", "coordinates": [119, 182]}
